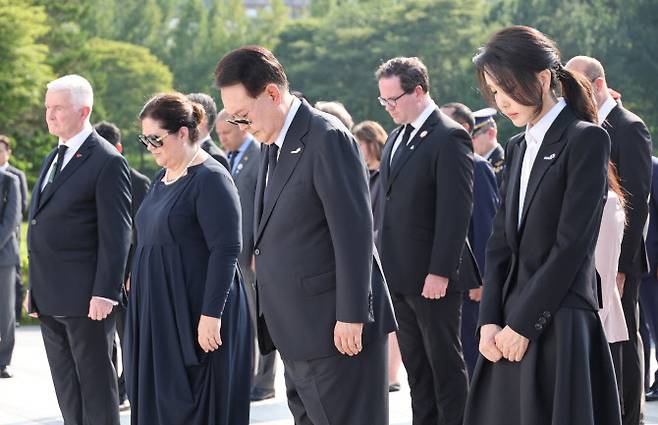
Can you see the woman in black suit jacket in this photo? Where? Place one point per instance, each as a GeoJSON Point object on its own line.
{"type": "Point", "coordinates": [545, 359]}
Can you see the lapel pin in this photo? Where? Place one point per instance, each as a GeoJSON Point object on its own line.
{"type": "Point", "coordinates": [423, 134]}
{"type": "Point", "coordinates": [412, 147]}
{"type": "Point", "coordinates": [78, 155]}
{"type": "Point", "coordinates": [549, 157]}
{"type": "Point", "coordinates": [298, 150]}
{"type": "Point", "coordinates": [240, 167]}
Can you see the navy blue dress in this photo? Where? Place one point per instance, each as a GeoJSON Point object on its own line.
{"type": "Point", "coordinates": [185, 266]}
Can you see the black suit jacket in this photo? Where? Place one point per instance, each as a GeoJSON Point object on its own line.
{"type": "Point", "coordinates": [209, 146]}
{"type": "Point", "coordinates": [315, 262]}
{"type": "Point", "coordinates": [79, 231]}
{"type": "Point", "coordinates": [631, 154]}
{"type": "Point", "coordinates": [246, 177]}
{"type": "Point", "coordinates": [549, 259]}
{"type": "Point", "coordinates": [140, 186]}
{"type": "Point", "coordinates": [428, 198]}
{"type": "Point", "coordinates": [652, 233]}
{"type": "Point", "coordinates": [22, 180]}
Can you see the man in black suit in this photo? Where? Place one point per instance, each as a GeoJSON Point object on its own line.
{"type": "Point", "coordinates": [5, 155]}
{"type": "Point", "coordinates": [321, 294]}
{"type": "Point", "coordinates": [206, 141]}
{"type": "Point", "coordinates": [631, 155]}
{"type": "Point", "coordinates": [484, 134]}
{"type": "Point", "coordinates": [427, 184]}
{"type": "Point", "coordinates": [78, 240]}
{"type": "Point", "coordinates": [649, 289]}
{"type": "Point", "coordinates": [244, 159]}
{"type": "Point", "coordinates": [140, 185]}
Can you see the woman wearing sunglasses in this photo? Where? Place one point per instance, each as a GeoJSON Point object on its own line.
{"type": "Point", "coordinates": [187, 331]}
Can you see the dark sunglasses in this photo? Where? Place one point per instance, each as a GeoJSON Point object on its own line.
{"type": "Point", "coordinates": [238, 121]}
{"type": "Point", "coordinates": [155, 141]}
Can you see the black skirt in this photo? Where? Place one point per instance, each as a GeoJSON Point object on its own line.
{"type": "Point", "coordinates": [566, 377]}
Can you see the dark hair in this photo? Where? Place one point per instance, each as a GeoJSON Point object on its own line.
{"type": "Point", "coordinates": [252, 66]}
{"type": "Point", "coordinates": [461, 113]}
{"type": "Point", "coordinates": [513, 56]}
{"type": "Point", "coordinates": [615, 185]}
{"type": "Point", "coordinates": [109, 132]}
{"type": "Point", "coordinates": [209, 106]}
{"type": "Point", "coordinates": [411, 71]}
{"type": "Point", "coordinates": [373, 135]}
{"type": "Point", "coordinates": [5, 141]}
{"type": "Point", "coordinates": [173, 111]}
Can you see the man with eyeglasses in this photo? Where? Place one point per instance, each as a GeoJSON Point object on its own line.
{"type": "Point", "coordinates": [427, 185]}
{"type": "Point", "coordinates": [322, 299]}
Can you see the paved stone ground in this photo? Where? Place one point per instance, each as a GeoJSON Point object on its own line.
{"type": "Point", "coordinates": [29, 397]}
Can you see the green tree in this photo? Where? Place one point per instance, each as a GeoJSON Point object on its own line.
{"type": "Point", "coordinates": [124, 77]}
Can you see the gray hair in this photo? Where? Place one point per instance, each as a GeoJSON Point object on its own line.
{"type": "Point", "coordinates": [80, 89]}
{"type": "Point", "coordinates": [338, 110]}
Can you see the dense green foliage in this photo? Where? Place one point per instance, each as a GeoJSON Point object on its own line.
{"type": "Point", "coordinates": [130, 49]}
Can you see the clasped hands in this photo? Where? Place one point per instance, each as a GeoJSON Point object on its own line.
{"type": "Point", "coordinates": [496, 343]}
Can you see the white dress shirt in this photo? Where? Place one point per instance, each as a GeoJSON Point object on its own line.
{"type": "Point", "coordinates": [605, 109]}
{"type": "Point", "coordinates": [294, 107]}
{"type": "Point", "coordinates": [416, 124]}
{"type": "Point", "coordinates": [534, 136]}
{"type": "Point", "coordinates": [73, 144]}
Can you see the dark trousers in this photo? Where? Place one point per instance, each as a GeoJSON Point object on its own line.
{"type": "Point", "coordinates": [340, 390]}
{"type": "Point", "coordinates": [263, 366]}
{"type": "Point", "coordinates": [20, 293]}
{"type": "Point", "coordinates": [7, 314]}
{"type": "Point", "coordinates": [79, 353]}
{"type": "Point", "coordinates": [470, 342]}
{"type": "Point", "coordinates": [632, 370]}
{"type": "Point", "coordinates": [120, 313]}
{"type": "Point", "coordinates": [649, 325]}
{"type": "Point", "coordinates": [429, 338]}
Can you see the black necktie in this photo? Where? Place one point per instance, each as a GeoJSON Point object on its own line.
{"type": "Point", "coordinates": [408, 129]}
{"type": "Point", "coordinates": [231, 159]}
{"type": "Point", "coordinates": [61, 151]}
{"type": "Point", "coordinates": [272, 154]}
{"type": "Point", "coordinates": [272, 157]}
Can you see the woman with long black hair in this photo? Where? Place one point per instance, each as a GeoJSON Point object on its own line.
{"type": "Point", "coordinates": [545, 358]}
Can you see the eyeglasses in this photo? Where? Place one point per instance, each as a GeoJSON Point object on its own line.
{"type": "Point", "coordinates": [239, 121]}
{"type": "Point", "coordinates": [155, 141]}
{"type": "Point", "coordinates": [392, 101]}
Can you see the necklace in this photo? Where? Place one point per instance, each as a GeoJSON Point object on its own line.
{"type": "Point", "coordinates": [166, 179]}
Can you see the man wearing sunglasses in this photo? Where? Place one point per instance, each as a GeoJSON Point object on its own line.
{"type": "Point", "coordinates": [427, 185]}
{"type": "Point", "coordinates": [78, 239]}
{"type": "Point", "coordinates": [321, 293]}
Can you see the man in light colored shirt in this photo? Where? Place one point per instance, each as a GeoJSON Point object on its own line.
{"type": "Point", "coordinates": [427, 185]}
{"type": "Point", "coordinates": [322, 299]}
{"type": "Point", "coordinates": [78, 239]}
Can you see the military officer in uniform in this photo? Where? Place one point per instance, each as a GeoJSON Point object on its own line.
{"type": "Point", "coordinates": [485, 140]}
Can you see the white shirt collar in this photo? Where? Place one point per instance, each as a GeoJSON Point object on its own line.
{"type": "Point", "coordinates": [605, 109]}
{"type": "Point", "coordinates": [420, 120]}
{"type": "Point", "coordinates": [76, 141]}
{"type": "Point", "coordinates": [4, 167]}
{"type": "Point", "coordinates": [535, 134]}
{"type": "Point", "coordinates": [294, 107]}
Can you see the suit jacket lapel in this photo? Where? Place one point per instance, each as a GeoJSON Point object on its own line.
{"type": "Point", "coordinates": [410, 149]}
{"type": "Point", "coordinates": [548, 153]}
{"type": "Point", "coordinates": [248, 154]}
{"type": "Point", "coordinates": [36, 191]}
{"type": "Point", "coordinates": [78, 158]}
{"type": "Point", "coordinates": [512, 195]}
{"type": "Point", "coordinates": [385, 165]}
{"type": "Point", "coordinates": [289, 155]}
{"type": "Point", "coordinates": [260, 187]}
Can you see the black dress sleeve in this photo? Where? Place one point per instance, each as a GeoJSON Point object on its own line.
{"type": "Point", "coordinates": [218, 213]}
